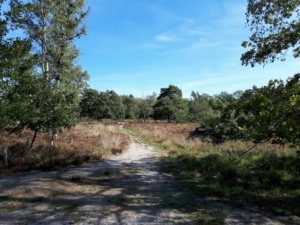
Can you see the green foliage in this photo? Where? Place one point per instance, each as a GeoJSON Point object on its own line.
{"type": "Point", "coordinates": [131, 107]}
{"type": "Point", "coordinates": [170, 105]}
{"type": "Point", "coordinates": [253, 179]}
{"type": "Point", "coordinates": [17, 85]}
{"type": "Point", "coordinates": [164, 109]}
{"type": "Point", "coordinates": [171, 92]}
{"type": "Point", "coordinates": [146, 107]}
{"type": "Point", "coordinates": [181, 114]}
{"type": "Point", "coordinates": [102, 105]}
{"type": "Point", "coordinates": [89, 103]}
{"type": "Point", "coordinates": [275, 26]}
{"type": "Point", "coordinates": [115, 107]}
{"type": "Point", "coordinates": [201, 108]}
{"type": "Point", "coordinates": [41, 81]}
{"type": "Point", "coordinates": [271, 113]}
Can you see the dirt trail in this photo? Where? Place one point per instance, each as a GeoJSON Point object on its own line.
{"type": "Point", "coordinates": [128, 189]}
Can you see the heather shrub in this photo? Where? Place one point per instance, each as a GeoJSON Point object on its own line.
{"type": "Point", "coordinates": [88, 141]}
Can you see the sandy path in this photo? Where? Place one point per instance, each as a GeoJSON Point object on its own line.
{"type": "Point", "coordinates": [128, 189]}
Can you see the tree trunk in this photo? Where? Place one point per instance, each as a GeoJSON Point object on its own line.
{"type": "Point", "coordinates": [33, 139]}
{"type": "Point", "coordinates": [4, 150]}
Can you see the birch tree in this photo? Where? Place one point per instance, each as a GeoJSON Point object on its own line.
{"type": "Point", "coordinates": [52, 27]}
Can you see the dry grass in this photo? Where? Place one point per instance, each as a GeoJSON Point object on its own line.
{"type": "Point", "coordinates": [85, 142]}
{"type": "Point", "coordinates": [174, 137]}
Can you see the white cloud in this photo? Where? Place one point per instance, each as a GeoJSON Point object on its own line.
{"type": "Point", "coordinates": [203, 43]}
{"type": "Point", "coordinates": [151, 46]}
{"type": "Point", "coordinates": [165, 38]}
{"type": "Point", "coordinates": [197, 31]}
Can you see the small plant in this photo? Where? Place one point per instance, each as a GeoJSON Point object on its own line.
{"type": "Point", "coordinates": [96, 153]}
{"type": "Point", "coordinates": [165, 146]}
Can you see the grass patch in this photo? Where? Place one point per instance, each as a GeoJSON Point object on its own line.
{"type": "Point", "coordinates": [266, 181]}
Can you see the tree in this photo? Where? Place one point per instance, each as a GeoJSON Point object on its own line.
{"type": "Point", "coordinates": [114, 105]}
{"type": "Point", "coordinates": [109, 106]}
{"type": "Point", "coordinates": [131, 107]}
{"type": "Point", "coordinates": [170, 105]}
{"type": "Point", "coordinates": [89, 104]}
{"type": "Point", "coordinates": [51, 27]}
{"type": "Point", "coordinates": [146, 106]}
{"type": "Point", "coordinates": [200, 109]}
{"type": "Point", "coordinates": [276, 26]}
{"type": "Point", "coordinates": [276, 114]}
{"type": "Point", "coordinates": [17, 85]}
{"type": "Point", "coordinates": [267, 114]}
{"type": "Point", "coordinates": [102, 105]}
{"type": "Point", "coordinates": [171, 92]}
{"type": "Point", "coordinates": [182, 110]}
{"type": "Point", "coordinates": [164, 109]}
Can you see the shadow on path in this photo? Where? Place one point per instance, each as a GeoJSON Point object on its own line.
{"type": "Point", "coordinates": [129, 189]}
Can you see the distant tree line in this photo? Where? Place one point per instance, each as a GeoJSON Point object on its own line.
{"type": "Point", "coordinates": [169, 105]}
{"type": "Point", "coordinates": [269, 113]}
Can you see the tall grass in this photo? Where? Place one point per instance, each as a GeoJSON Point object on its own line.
{"type": "Point", "coordinates": [267, 177]}
{"type": "Point", "coordinates": [88, 141]}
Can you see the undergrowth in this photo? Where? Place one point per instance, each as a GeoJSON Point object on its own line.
{"type": "Point", "coordinates": [268, 177]}
{"type": "Point", "coordinates": [88, 141]}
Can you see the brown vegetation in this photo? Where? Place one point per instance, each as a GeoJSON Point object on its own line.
{"type": "Point", "coordinates": [175, 137]}
{"type": "Point", "coordinates": [85, 142]}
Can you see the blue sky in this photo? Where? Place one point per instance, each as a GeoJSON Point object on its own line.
{"type": "Point", "coordinates": [139, 46]}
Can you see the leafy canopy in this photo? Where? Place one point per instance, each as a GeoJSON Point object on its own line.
{"type": "Point", "coordinates": [276, 26]}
